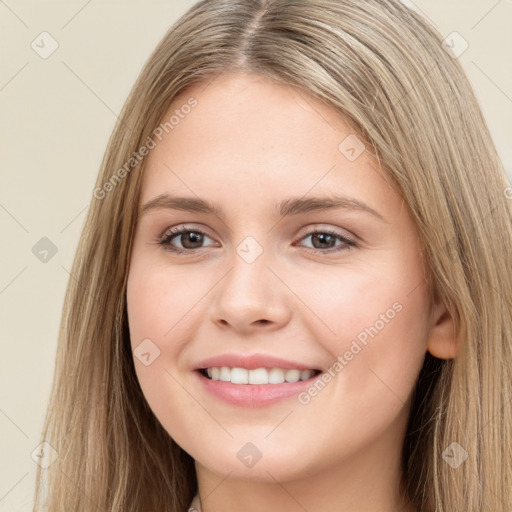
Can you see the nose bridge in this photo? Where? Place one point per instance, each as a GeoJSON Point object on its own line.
{"type": "Point", "coordinates": [250, 292]}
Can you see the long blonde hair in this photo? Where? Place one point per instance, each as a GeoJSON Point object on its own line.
{"type": "Point", "coordinates": [384, 69]}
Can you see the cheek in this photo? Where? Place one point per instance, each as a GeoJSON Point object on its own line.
{"type": "Point", "coordinates": [163, 309]}
{"type": "Point", "coordinates": [160, 303]}
{"type": "Point", "coordinates": [374, 317]}
{"type": "Point", "coordinates": [374, 323]}
{"type": "Point", "coordinates": [377, 344]}
{"type": "Point", "coordinates": [364, 302]}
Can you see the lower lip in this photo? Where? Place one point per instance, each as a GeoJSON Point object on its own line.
{"type": "Point", "coordinates": [253, 395]}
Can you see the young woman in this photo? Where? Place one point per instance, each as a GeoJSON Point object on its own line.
{"type": "Point", "coordinates": [292, 289]}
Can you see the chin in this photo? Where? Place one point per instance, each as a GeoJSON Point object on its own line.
{"type": "Point", "coordinates": [257, 462]}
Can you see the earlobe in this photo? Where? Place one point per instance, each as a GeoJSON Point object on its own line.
{"type": "Point", "coordinates": [442, 340]}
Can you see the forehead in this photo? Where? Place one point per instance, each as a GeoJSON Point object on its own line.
{"type": "Point", "coordinates": [260, 139]}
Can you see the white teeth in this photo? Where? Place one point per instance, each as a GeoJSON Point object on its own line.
{"type": "Point", "coordinates": [292, 376]}
{"type": "Point", "coordinates": [276, 376]}
{"type": "Point", "coordinates": [225, 374]}
{"type": "Point", "coordinates": [239, 376]}
{"type": "Point", "coordinates": [306, 374]}
{"type": "Point", "coordinates": [258, 375]}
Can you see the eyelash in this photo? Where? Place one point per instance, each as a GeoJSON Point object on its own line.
{"type": "Point", "coordinates": [166, 240]}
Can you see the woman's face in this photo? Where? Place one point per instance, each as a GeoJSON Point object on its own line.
{"type": "Point", "coordinates": [254, 282]}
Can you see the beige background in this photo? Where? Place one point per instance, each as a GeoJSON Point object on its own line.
{"type": "Point", "coordinates": [56, 116]}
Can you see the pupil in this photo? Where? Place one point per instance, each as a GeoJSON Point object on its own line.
{"type": "Point", "coordinates": [322, 237]}
{"type": "Point", "coordinates": [195, 237]}
{"type": "Point", "coordinates": [192, 238]}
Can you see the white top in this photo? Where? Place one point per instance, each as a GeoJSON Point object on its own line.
{"type": "Point", "coordinates": [195, 505]}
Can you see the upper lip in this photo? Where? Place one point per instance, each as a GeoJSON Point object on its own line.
{"type": "Point", "coordinates": [250, 362]}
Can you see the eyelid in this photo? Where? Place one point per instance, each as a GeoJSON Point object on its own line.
{"type": "Point", "coordinates": [307, 230]}
{"type": "Point", "coordinates": [348, 241]}
{"type": "Point", "coordinates": [184, 227]}
{"type": "Point", "coordinates": [323, 228]}
{"type": "Point", "coordinates": [175, 231]}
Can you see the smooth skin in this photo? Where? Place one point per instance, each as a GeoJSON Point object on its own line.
{"type": "Point", "coordinates": [249, 144]}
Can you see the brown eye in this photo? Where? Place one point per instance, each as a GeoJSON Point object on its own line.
{"type": "Point", "coordinates": [188, 240]}
{"type": "Point", "coordinates": [191, 239]}
{"type": "Point", "coordinates": [325, 241]}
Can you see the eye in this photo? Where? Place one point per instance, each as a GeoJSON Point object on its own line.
{"type": "Point", "coordinates": [324, 241]}
{"type": "Point", "coordinates": [189, 239]}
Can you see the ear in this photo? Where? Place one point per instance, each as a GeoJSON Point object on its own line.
{"type": "Point", "coordinates": [442, 341]}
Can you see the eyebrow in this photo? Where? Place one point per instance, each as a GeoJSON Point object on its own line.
{"type": "Point", "coordinates": [291, 206]}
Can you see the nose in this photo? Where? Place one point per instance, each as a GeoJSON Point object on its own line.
{"type": "Point", "coordinates": [251, 296]}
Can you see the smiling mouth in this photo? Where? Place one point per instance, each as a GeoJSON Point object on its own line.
{"type": "Point", "coordinates": [258, 376]}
